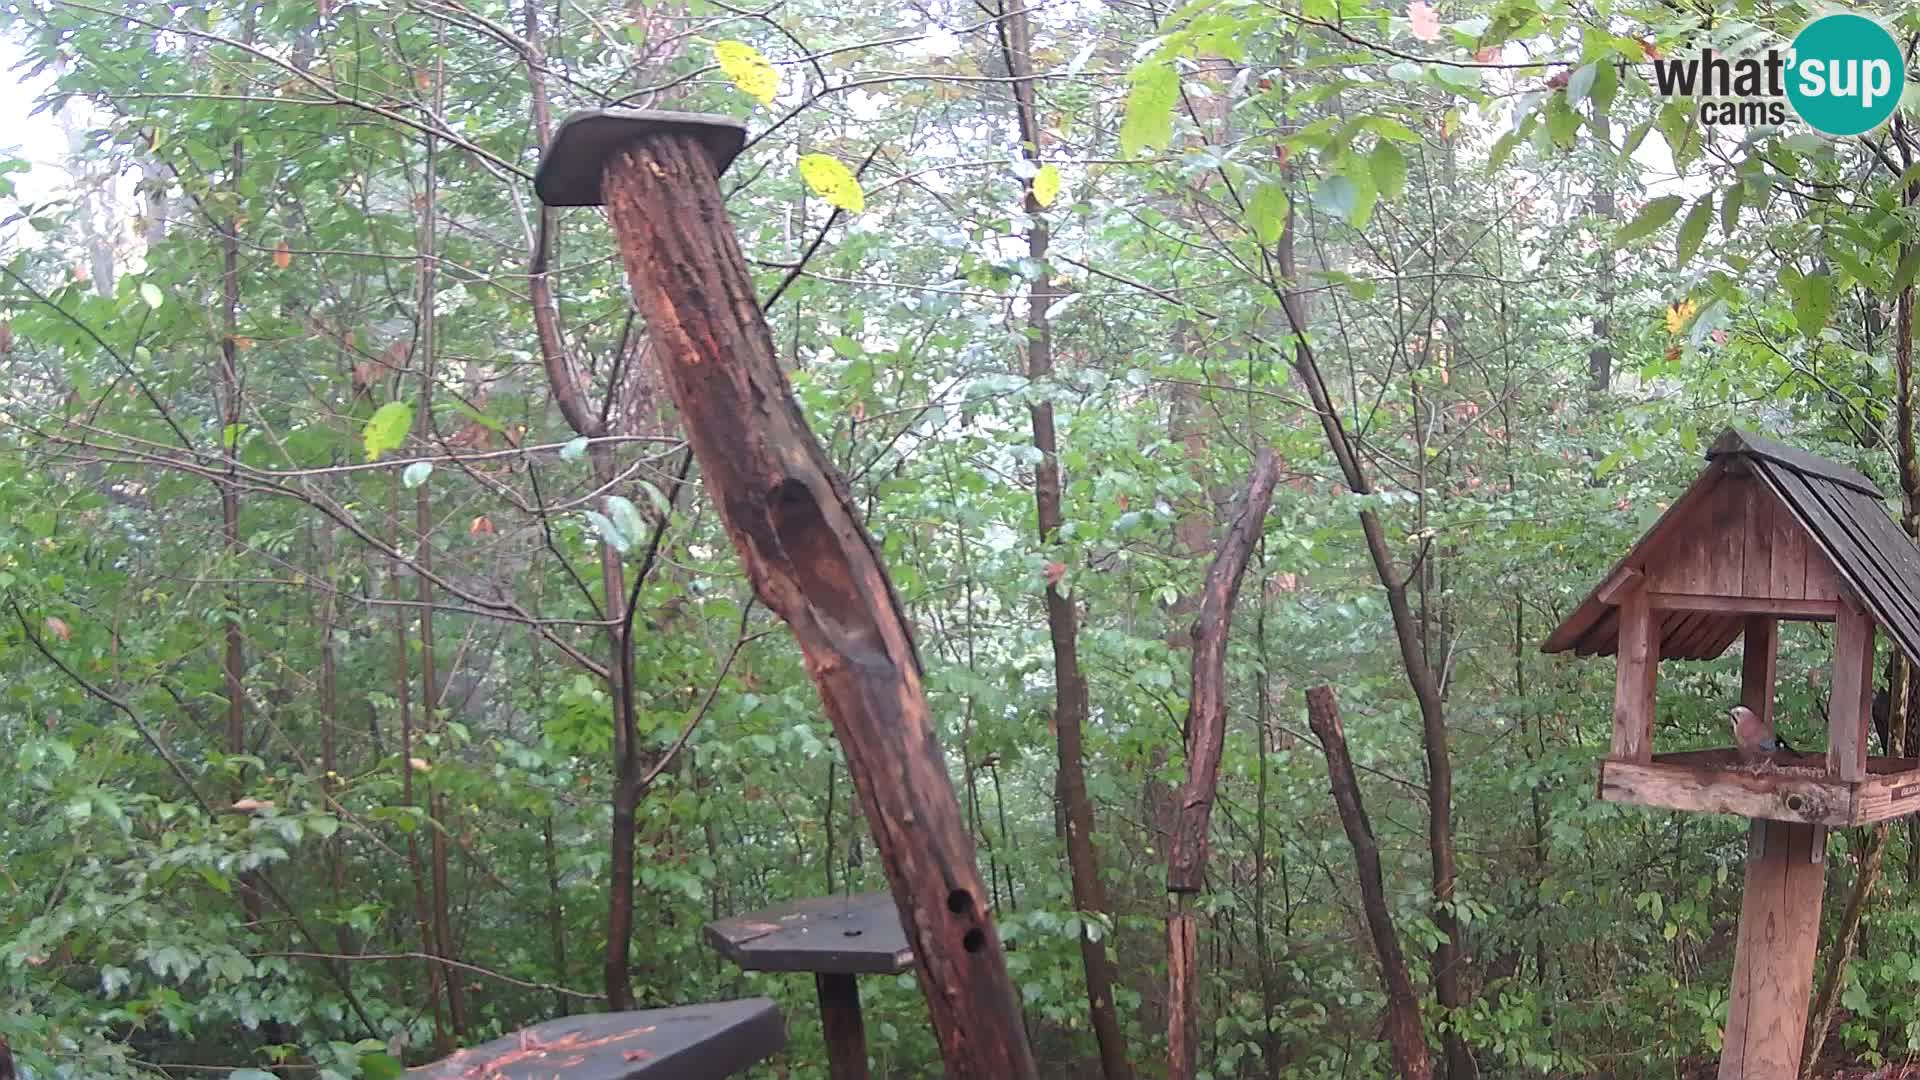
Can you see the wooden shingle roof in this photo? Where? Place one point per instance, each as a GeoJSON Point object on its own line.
{"type": "Point", "coordinates": [1837, 515]}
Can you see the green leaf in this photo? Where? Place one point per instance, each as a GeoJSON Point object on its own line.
{"type": "Point", "coordinates": [1155, 87]}
{"type": "Point", "coordinates": [574, 450]}
{"type": "Point", "coordinates": [387, 430]}
{"type": "Point", "coordinates": [1730, 205]}
{"type": "Point", "coordinates": [1693, 230]}
{"type": "Point", "coordinates": [151, 294]}
{"type": "Point", "coordinates": [610, 534]}
{"type": "Point", "coordinates": [1337, 195]}
{"type": "Point", "coordinates": [416, 474]}
{"type": "Point", "coordinates": [1903, 274]}
{"type": "Point", "coordinates": [833, 181]}
{"type": "Point", "coordinates": [626, 518]}
{"type": "Point", "coordinates": [1389, 168]}
{"type": "Point", "coordinates": [1267, 212]}
{"type": "Point", "coordinates": [748, 70]}
{"type": "Point", "coordinates": [1812, 300]}
{"type": "Point", "coordinates": [1580, 83]}
{"type": "Point", "coordinates": [656, 499]}
{"type": "Point", "coordinates": [1388, 128]}
{"type": "Point", "coordinates": [1650, 218]}
{"type": "Point", "coordinates": [380, 1067]}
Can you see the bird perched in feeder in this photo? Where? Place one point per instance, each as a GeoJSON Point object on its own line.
{"type": "Point", "coordinates": [1755, 744]}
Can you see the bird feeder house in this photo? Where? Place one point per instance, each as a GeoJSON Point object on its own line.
{"type": "Point", "coordinates": [1768, 532]}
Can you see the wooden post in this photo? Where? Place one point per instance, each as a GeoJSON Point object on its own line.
{"type": "Point", "coordinates": [1637, 671]}
{"type": "Point", "coordinates": [1852, 703]}
{"type": "Point", "coordinates": [1758, 657]}
{"type": "Point", "coordinates": [794, 524]}
{"type": "Point", "coordinates": [1773, 958]}
{"type": "Point", "coordinates": [845, 1029]}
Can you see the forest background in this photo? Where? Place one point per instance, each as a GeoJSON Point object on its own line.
{"type": "Point", "coordinates": [375, 677]}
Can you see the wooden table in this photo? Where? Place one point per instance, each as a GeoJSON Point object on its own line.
{"type": "Point", "coordinates": [836, 938]}
{"type": "Point", "coordinates": [692, 1042]}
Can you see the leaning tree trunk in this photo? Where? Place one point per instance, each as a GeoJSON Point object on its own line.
{"type": "Point", "coordinates": [791, 517]}
{"type": "Point", "coordinates": [1402, 1027]}
{"type": "Point", "coordinates": [1206, 738]}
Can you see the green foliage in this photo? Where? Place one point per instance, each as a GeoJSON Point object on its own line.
{"type": "Point", "coordinates": [1433, 212]}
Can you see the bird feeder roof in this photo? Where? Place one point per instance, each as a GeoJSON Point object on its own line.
{"type": "Point", "coordinates": [1765, 529]}
{"type": "Point", "coordinates": [834, 935]}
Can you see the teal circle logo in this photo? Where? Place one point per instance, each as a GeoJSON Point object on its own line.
{"type": "Point", "coordinates": [1845, 74]}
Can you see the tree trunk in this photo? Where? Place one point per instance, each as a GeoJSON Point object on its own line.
{"type": "Point", "coordinates": [1402, 1025]}
{"type": "Point", "coordinates": [1421, 678]}
{"type": "Point", "coordinates": [1206, 739]}
{"type": "Point", "coordinates": [792, 520]}
{"type": "Point", "coordinates": [1070, 704]}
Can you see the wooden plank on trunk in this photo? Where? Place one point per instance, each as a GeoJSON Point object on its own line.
{"type": "Point", "coordinates": [1892, 791]}
{"type": "Point", "coordinates": [1727, 541]}
{"type": "Point", "coordinates": [1773, 959]}
{"type": "Point", "coordinates": [1812, 610]}
{"type": "Point", "coordinates": [1789, 567]}
{"type": "Point", "coordinates": [1637, 671]}
{"type": "Point", "coordinates": [842, 1026]}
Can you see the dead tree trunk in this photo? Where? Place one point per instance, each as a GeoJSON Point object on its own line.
{"type": "Point", "coordinates": [792, 519]}
{"type": "Point", "coordinates": [1206, 737]}
{"type": "Point", "coordinates": [1403, 1009]}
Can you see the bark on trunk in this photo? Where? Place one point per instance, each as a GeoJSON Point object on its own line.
{"type": "Point", "coordinates": [1206, 738]}
{"type": "Point", "coordinates": [1402, 1027]}
{"type": "Point", "coordinates": [791, 518]}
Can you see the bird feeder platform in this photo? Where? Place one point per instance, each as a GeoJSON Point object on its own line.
{"type": "Point", "coordinates": [693, 1042]}
{"type": "Point", "coordinates": [1792, 787]}
{"type": "Point", "coordinates": [836, 938]}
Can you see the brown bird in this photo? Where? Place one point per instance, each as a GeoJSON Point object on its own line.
{"type": "Point", "coordinates": [1755, 744]}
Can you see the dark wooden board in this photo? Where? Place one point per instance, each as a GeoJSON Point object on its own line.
{"type": "Point", "coordinates": [852, 935]}
{"type": "Point", "coordinates": [692, 1042]}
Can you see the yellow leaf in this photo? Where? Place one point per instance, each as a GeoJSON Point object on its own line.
{"type": "Point", "coordinates": [748, 69]}
{"type": "Point", "coordinates": [833, 182]}
{"type": "Point", "coordinates": [1046, 185]}
{"type": "Point", "coordinates": [1679, 315]}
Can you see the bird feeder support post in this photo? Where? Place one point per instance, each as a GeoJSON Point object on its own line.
{"type": "Point", "coordinates": [845, 1029]}
{"type": "Point", "coordinates": [1773, 956]}
{"type": "Point", "coordinates": [1758, 658]}
{"type": "Point", "coordinates": [1638, 671]}
{"type": "Point", "coordinates": [792, 520]}
{"type": "Point", "coordinates": [1852, 701]}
